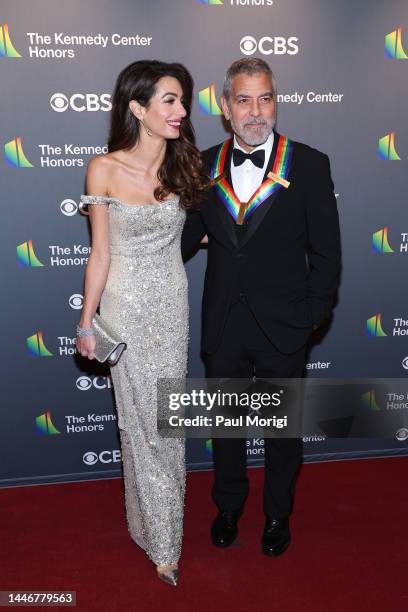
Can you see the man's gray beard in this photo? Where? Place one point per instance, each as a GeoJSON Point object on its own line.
{"type": "Point", "coordinates": [254, 139]}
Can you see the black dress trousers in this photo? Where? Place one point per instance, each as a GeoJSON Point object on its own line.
{"type": "Point", "coordinates": [244, 351]}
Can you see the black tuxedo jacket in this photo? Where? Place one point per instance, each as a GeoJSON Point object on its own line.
{"type": "Point", "coordinates": [286, 264]}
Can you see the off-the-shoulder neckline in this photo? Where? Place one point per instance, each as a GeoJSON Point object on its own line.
{"type": "Point", "coordinates": [117, 200]}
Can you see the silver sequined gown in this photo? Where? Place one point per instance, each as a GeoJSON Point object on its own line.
{"type": "Point", "coordinates": [145, 301]}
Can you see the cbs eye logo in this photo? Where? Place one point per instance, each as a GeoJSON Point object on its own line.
{"type": "Point", "coordinates": [59, 102]}
{"type": "Point", "coordinates": [90, 458]}
{"type": "Point", "coordinates": [69, 208]}
{"type": "Point", "coordinates": [76, 300]}
{"type": "Point", "coordinates": [83, 383]}
{"type": "Point", "coordinates": [248, 45]}
{"type": "Point", "coordinates": [402, 434]}
{"type": "Point", "coordinates": [405, 363]}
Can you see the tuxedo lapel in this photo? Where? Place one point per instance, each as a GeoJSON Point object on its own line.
{"type": "Point", "coordinates": [223, 214]}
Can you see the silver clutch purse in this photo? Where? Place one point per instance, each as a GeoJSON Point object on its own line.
{"type": "Point", "coordinates": [109, 347]}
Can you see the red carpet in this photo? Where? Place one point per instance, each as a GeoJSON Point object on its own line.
{"type": "Point", "coordinates": [349, 549]}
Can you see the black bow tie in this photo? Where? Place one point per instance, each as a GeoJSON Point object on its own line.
{"type": "Point", "coordinates": [257, 157]}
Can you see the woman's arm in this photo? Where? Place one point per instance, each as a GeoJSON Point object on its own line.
{"type": "Point", "coordinates": [97, 268]}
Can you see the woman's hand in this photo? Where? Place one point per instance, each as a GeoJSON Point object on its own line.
{"type": "Point", "coordinates": [86, 346]}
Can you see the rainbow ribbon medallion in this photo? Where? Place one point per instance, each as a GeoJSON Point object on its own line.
{"type": "Point", "coordinates": [225, 192]}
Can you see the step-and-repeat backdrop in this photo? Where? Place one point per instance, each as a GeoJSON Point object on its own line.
{"type": "Point", "coordinates": [342, 74]}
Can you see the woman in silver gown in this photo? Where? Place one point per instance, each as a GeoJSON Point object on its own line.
{"type": "Point", "coordinates": [137, 195]}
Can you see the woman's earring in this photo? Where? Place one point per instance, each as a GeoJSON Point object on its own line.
{"type": "Point", "coordinates": [148, 132]}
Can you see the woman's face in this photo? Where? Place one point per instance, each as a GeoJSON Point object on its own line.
{"type": "Point", "coordinates": [165, 111]}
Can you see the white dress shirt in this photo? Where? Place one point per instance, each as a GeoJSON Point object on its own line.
{"type": "Point", "coordinates": [247, 177]}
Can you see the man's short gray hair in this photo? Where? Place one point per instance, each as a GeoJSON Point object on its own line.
{"type": "Point", "coordinates": [246, 65]}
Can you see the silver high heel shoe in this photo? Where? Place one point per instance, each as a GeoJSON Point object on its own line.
{"type": "Point", "coordinates": [170, 576]}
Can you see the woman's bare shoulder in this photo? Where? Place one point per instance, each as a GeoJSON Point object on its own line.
{"type": "Point", "coordinates": [101, 169]}
{"type": "Point", "coordinates": [102, 163]}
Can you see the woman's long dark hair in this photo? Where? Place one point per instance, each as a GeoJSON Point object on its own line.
{"type": "Point", "coordinates": [181, 171]}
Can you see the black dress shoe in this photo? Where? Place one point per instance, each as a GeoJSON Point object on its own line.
{"type": "Point", "coordinates": [224, 529]}
{"type": "Point", "coordinates": [276, 536]}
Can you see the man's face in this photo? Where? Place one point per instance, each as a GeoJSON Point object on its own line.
{"type": "Point", "coordinates": [251, 108]}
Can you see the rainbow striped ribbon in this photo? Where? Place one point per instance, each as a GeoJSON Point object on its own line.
{"type": "Point", "coordinates": [225, 192]}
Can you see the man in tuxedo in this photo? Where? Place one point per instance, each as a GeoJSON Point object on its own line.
{"type": "Point", "coordinates": [272, 272]}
